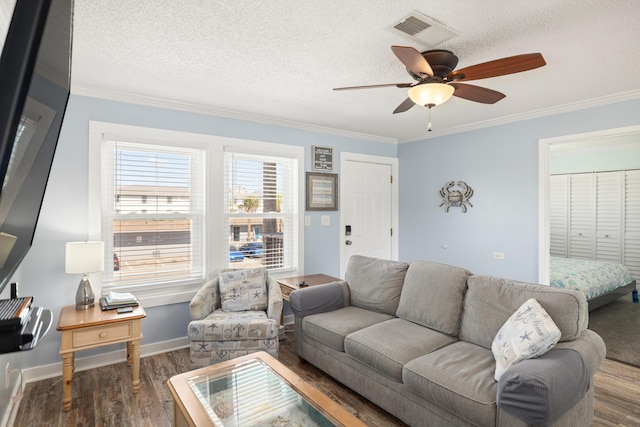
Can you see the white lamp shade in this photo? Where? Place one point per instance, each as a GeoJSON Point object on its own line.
{"type": "Point", "coordinates": [84, 257]}
{"type": "Point", "coordinates": [431, 94]}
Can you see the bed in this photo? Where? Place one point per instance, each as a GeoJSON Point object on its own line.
{"type": "Point", "coordinates": [600, 281]}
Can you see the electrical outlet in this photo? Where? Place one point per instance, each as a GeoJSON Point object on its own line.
{"type": "Point", "coordinates": [7, 381]}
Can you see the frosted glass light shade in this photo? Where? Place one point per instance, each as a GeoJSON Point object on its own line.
{"type": "Point", "coordinates": [431, 94]}
{"type": "Point", "coordinates": [84, 257]}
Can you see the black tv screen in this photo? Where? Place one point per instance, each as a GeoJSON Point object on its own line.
{"type": "Point", "coordinates": [35, 71]}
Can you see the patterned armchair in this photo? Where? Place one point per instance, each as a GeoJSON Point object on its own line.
{"type": "Point", "coordinates": [236, 313]}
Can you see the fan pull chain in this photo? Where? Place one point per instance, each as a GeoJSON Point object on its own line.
{"type": "Point", "coordinates": [429, 125]}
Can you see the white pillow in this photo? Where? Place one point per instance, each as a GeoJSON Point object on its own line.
{"type": "Point", "coordinates": [528, 333]}
{"type": "Point", "coordinates": [243, 290]}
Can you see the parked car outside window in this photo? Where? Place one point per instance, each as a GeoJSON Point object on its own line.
{"type": "Point", "coordinates": [235, 255]}
{"type": "Point", "coordinates": [252, 249]}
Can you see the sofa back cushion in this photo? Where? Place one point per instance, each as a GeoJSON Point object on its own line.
{"type": "Point", "coordinates": [432, 296]}
{"type": "Point", "coordinates": [375, 284]}
{"type": "Point", "coordinates": [490, 301]}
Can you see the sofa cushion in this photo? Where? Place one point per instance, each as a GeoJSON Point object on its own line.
{"type": "Point", "coordinates": [242, 290]}
{"type": "Point", "coordinates": [459, 379]}
{"type": "Point", "coordinates": [388, 346]}
{"type": "Point", "coordinates": [331, 328]}
{"type": "Point", "coordinates": [489, 301]}
{"type": "Point", "coordinates": [529, 332]}
{"type": "Point", "coordinates": [541, 390]}
{"type": "Point", "coordinates": [432, 295]}
{"type": "Point", "coordinates": [375, 284]}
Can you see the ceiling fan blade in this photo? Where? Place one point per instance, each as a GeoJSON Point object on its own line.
{"type": "Point", "coordinates": [499, 67]}
{"type": "Point", "coordinates": [413, 60]}
{"type": "Point", "coordinates": [477, 93]}
{"type": "Point", "coordinates": [404, 106]}
{"type": "Point", "coordinates": [374, 86]}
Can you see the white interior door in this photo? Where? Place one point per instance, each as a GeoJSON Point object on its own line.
{"type": "Point", "coordinates": [366, 211]}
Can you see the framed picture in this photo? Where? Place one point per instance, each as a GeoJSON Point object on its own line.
{"type": "Point", "coordinates": [322, 158]}
{"type": "Point", "coordinates": [322, 191]}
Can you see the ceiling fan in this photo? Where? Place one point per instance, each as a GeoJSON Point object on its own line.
{"type": "Point", "coordinates": [437, 81]}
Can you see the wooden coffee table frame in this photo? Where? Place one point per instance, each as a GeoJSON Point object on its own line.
{"type": "Point", "coordinates": [188, 411]}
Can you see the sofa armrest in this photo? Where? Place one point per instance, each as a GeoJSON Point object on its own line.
{"type": "Point", "coordinates": [540, 390]}
{"type": "Point", "coordinates": [274, 303]}
{"type": "Point", "coordinates": [205, 301]}
{"type": "Point", "coordinates": [319, 299]}
{"type": "Point", "coordinates": [591, 348]}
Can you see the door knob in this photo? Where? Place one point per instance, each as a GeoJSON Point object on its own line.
{"type": "Point", "coordinates": [348, 242]}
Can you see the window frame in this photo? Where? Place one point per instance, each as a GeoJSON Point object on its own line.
{"type": "Point", "coordinates": [215, 255]}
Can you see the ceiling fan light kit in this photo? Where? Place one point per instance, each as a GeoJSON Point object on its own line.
{"type": "Point", "coordinates": [437, 81]}
{"type": "Point", "coordinates": [431, 94]}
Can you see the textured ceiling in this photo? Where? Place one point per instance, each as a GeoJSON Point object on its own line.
{"type": "Point", "coordinates": [279, 59]}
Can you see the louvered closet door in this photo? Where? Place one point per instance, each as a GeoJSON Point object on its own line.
{"type": "Point", "coordinates": [609, 206]}
{"type": "Point", "coordinates": [558, 215]}
{"type": "Point", "coordinates": [581, 216]}
{"type": "Point", "coordinates": [632, 223]}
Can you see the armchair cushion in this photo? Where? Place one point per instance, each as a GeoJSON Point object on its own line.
{"type": "Point", "coordinates": [233, 326]}
{"type": "Point", "coordinates": [243, 290]}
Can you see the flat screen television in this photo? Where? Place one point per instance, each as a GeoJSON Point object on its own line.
{"type": "Point", "coordinates": [35, 71]}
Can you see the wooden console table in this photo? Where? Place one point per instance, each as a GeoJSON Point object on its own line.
{"type": "Point", "coordinates": [84, 329]}
{"type": "Point", "coordinates": [290, 284]}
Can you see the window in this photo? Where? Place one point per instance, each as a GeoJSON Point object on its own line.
{"type": "Point", "coordinates": [170, 205]}
{"type": "Point", "coordinates": [156, 243]}
{"type": "Point", "coordinates": [261, 198]}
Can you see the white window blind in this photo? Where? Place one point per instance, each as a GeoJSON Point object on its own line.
{"type": "Point", "coordinates": [261, 199]}
{"type": "Point", "coordinates": [153, 215]}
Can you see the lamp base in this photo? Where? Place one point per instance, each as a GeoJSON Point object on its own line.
{"type": "Point", "coordinates": [85, 297]}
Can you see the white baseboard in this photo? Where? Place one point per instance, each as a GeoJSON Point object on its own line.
{"type": "Point", "coordinates": [81, 364]}
{"type": "Point", "coordinates": [12, 410]}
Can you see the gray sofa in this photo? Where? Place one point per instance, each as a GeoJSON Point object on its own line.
{"type": "Point", "coordinates": [415, 339]}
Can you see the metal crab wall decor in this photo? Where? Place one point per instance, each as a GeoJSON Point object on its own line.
{"type": "Point", "coordinates": [454, 197]}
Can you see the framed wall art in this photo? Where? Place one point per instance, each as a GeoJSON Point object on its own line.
{"type": "Point", "coordinates": [322, 158]}
{"type": "Point", "coordinates": [322, 191]}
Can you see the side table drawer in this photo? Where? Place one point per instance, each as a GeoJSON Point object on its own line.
{"type": "Point", "coordinates": [102, 334]}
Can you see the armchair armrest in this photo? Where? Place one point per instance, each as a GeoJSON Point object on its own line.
{"type": "Point", "coordinates": [319, 299]}
{"type": "Point", "coordinates": [205, 301]}
{"type": "Point", "coordinates": [274, 303]}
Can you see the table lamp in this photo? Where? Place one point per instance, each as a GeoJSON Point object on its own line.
{"type": "Point", "coordinates": [84, 258]}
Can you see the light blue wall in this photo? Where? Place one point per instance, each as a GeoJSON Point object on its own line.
{"type": "Point", "coordinates": [64, 211]}
{"type": "Point", "coordinates": [501, 165]}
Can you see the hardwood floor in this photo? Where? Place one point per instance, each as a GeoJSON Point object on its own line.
{"type": "Point", "coordinates": [103, 397]}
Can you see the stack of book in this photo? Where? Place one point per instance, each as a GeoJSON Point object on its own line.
{"type": "Point", "coordinates": [118, 299]}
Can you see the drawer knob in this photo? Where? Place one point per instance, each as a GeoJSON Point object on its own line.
{"type": "Point", "coordinates": [102, 334]}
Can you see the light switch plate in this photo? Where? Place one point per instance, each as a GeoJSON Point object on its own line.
{"type": "Point", "coordinates": [325, 220]}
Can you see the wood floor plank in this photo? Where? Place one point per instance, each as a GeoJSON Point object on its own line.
{"type": "Point", "coordinates": [104, 397]}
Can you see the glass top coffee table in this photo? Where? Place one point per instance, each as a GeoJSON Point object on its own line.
{"type": "Point", "coordinates": [253, 390]}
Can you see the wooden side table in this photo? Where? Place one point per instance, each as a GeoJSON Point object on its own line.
{"type": "Point", "coordinates": [84, 329]}
{"type": "Point", "coordinates": [290, 284]}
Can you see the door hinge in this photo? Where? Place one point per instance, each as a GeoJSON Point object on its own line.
{"type": "Point", "coordinates": [391, 179]}
{"type": "Point", "coordinates": [391, 231]}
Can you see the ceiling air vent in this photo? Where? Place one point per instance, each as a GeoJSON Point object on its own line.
{"type": "Point", "coordinates": [424, 30]}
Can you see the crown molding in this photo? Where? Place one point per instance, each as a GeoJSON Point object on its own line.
{"type": "Point", "coordinates": [549, 111]}
{"type": "Point", "coordinates": [220, 112]}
